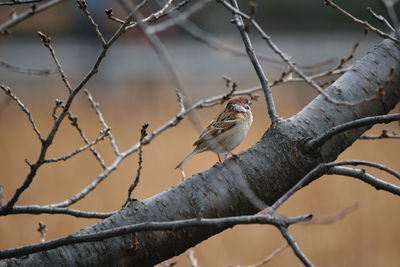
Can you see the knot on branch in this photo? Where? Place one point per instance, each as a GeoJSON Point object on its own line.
{"type": "Point", "coordinates": [104, 133]}
{"type": "Point", "coordinates": [81, 4]}
{"type": "Point", "coordinates": [109, 13]}
{"type": "Point", "coordinates": [44, 38]}
{"type": "Point", "coordinates": [143, 132]}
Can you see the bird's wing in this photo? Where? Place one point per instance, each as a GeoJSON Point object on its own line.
{"type": "Point", "coordinates": [223, 122]}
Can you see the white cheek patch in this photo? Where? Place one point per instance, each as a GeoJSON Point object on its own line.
{"type": "Point", "coordinates": [239, 108]}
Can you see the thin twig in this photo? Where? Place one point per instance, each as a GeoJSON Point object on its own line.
{"type": "Point", "coordinates": [95, 106]}
{"type": "Point", "coordinates": [152, 226]}
{"type": "Point", "coordinates": [365, 177]}
{"type": "Point", "coordinates": [368, 121]}
{"type": "Point", "coordinates": [383, 135]}
{"type": "Point", "coordinates": [381, 19]}
{"type": "Point", "coordinates": [103, 133]}
{"type": "Point", "coordinates": [4, 28]}
{"type": "Point", "coordinates": [167, 61]}
{"type": "Point", "coordinates": [177, 17]}
{"type": "Point", "coordinates": [296, 249]}
{"type": "Point", "coordinates": [231, 85]}
{"type": "Point", "coordinates": [256, 64]}
{"type": "Point", "coordinates": [46, 42]}
{"type": "Point", "coordinates": [8, 92]}
{"type": "Point", "coordinates": [36, 210]}
{"type": "Point", "coordinates": [364, 23]}
{"type": "Point", "coordinates": [13, 68]}
{"type": "Point", "coordinates": [181, 19]}
{"type": "Point", "coordinates": [83, 6]}
{"type": "Point", "coordinates": [74, 122]}
{"type": "Point", "coordinates": [48, 141]}
{"type": "Point", "coordinates": [324, 168]}
{"type": "Point", "coordinates": [132, 187]}
{"type": "Point", "coordinates": [290, 63]}
{"type": "Point", "coordinates": [389, 8]}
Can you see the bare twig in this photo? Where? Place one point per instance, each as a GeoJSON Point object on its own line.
{"type": "Point", "coordinates": [289, 62]}
{"type": "Point", "coordinates": [48, 141]}
{"type": "Point", "coordinates": [74, 122]}
{"type": "Point", "coordinates": [296, 249]}
{"type": "Point", "coordinates": [132, 187]}
{"type": "Point", "coordinates": [4, 28]}
{"type": "Point", "coordinates": [383, 135]}
{"type": "Point", "coordinates": [177, 17]}
{"type": "Point", "coordinates": [36, 210]}
{"type": "Point", "coordinates": [166, 60]}
{"type": "Point", "coordinates": [152, 17]}
{"type": "Point", "coordinates": [46, 42]}
{"type": "Point", "coordinates": [83, 6]}
{"type": "Point", "coordinates": [103, 133]}
{"type": "Point", "coordinates": [365, 177]}
{"type": "Point", "coordinates": [198, 34]}
{"type": "Point", "coordinates": [381, 19]}
{"type": "Point", "coordinates": [368, 121]}
{"type": "Point", "coordinates": [95, 106]}
{"type": "Point", "coordinates": [389, 8]}
{"type": "Point", "coordinates": [364, 23]}
{"type": "Point", "coordinates": [8, 92]}
{"type": "Point", "coordinates": [151, 226]}
{"type": "Point", "coordinates": [13, 68]}
{"type": "Point", "coordinates": [42, 229]}
{"type": "Point", "coordinates": [256, 64]}
{"type": "Point", "coordinates": [325, 168]}
{"type": "Point", "coordinates": [231, 85]}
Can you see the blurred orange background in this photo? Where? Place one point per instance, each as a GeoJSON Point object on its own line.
{"type": "Point", "coordinates": [132, 88]}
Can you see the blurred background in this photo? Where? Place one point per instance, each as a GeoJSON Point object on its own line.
{"type": "Point", "coordinates": [133, 87]}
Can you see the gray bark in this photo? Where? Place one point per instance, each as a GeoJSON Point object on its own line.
{"type": "Point", "coordinates": [237, 186]}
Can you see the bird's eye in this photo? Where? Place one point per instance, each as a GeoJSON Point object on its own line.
{"type": "Point", "coordinates": [247, 106]}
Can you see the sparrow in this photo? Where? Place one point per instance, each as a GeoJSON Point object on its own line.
{"type": "Point", "coordinates": [226, 131]}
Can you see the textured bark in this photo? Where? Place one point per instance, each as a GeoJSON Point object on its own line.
{"type": "Point", "coordinates": [263, 172]}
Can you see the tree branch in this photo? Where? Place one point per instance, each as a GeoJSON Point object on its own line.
{"type": "Point", "coordinates": [368, 121]}
{"type": "Point", "coordinates": [4, 28]}
{"type": "Point", "coordinates": [152, 226]}
{"type": "Point", "coordinates": [257, 67]}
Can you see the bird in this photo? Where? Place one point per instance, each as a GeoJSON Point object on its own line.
{"type": "Point", "coordinates": [226, 131]}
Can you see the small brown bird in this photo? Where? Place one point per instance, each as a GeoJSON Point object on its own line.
{"type": "Point", "coordinates": [227, 130]}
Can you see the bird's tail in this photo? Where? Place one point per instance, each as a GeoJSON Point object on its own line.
{"type": "Point", "coordinates": [187, 158]}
